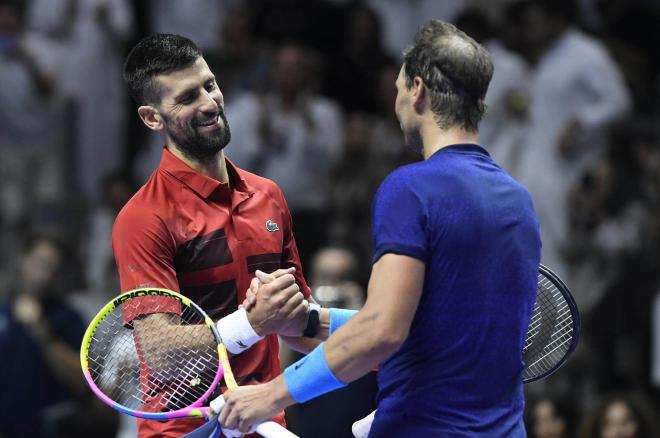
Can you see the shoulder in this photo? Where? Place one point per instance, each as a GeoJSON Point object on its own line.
{"type": "Point", "coordinates": [402, 184]}
{"type": "Point", "coordinates": [258, 182]}
{"type": "Point", "coordinates": [414, 177]}
{"type": "Point", "coordinates": [143, 211]}
{"type": "Point", "coordinates": [587, 47]}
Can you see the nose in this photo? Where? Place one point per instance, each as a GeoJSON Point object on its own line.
{"type": "Point", "coordinates": [212, 102]}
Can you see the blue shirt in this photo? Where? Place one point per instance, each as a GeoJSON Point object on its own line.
{"type": "Point", "coordinates": [459, 372]}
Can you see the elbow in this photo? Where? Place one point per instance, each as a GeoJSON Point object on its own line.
{"type": "Point", "coordinates": [388, 339]}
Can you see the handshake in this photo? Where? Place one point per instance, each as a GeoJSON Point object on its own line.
{"type": "Point", "coordinates": [273, 304]}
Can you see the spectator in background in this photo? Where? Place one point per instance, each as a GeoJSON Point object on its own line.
{"type": "Point", "coordinates": [200, 20]}
{"type": "Point", "coordinates": [402, 18]}
{"type": "Point", "coordinates": [99, 269]}
{"type": "Point", "coordinates": [293, 136]}
{"type": "Point", "coordinates": [91, 35]}
{"type": "Point", "coordinates": [551, 417]}
{"type": "Point", "coordinates": [629, 29]}
{"type": "Point", "coordinates": [40, 336]}
{"type": "Point", "coordinates": [240, 61]}
{"type": "Point", "coordinates": [31, 140]}
{"type": "Point", "coordinates": [335, 279]}
{"type": "Point", "coordinates": [355, 181]}
{"type": "Point", "coordinates": [620, 416]}
{"type": "Point", "coordinates": [352, 74]}
{"type": "Point", "coordinates": [503, 126]}
{"type": "Point", "coordinates": [615, 239]}
{"type": "Point", "coordinates": [575, 91]}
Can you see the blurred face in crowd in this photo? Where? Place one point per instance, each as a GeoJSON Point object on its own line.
{"type": "Point", "coordinates": [290, 72]}
{"type": "Point", "coordinates": [191, 111]}
{"type": "Point", "coordinates": [40, 267]}
{"type": "Point", "coordinates": [9, 21]}
{"type": "Point", "coordinates": [619, 422]}
{"type": "Point", "coordinates": [547, 424]}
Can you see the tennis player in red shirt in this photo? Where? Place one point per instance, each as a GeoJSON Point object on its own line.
{"type": "Point", "coordinates": [204, 227]}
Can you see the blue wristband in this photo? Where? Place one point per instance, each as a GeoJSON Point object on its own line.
{"type": "Point", "coordinates": [338, 317]}
{"type": "Point", "coordinates": [310, 377]}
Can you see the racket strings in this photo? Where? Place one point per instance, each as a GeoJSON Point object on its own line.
{"type": "Point", "coordinates": [162, 370]}
{"type": "Point", "coordinates": [550, 333]}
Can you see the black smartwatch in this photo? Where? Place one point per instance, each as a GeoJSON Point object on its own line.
{"type": "Point", "coordinates": [312, 325]}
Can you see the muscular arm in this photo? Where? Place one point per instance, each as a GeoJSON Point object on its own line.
{"type": "Point", "coordinates": [364, 342]}
{"type": "Point", "coordinates": [379, 329]}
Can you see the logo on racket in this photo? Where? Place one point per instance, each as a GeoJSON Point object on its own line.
{"type": "Point", "coordinates": [143, 293]}
{"type": "Point", "coordinates": [271, 226]}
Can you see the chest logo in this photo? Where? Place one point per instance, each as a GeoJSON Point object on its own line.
{"type": "Point", "coordinates": [271, 226]}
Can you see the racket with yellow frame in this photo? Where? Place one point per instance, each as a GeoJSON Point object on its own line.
{"type": "Point", "coordinates": [154, 354]}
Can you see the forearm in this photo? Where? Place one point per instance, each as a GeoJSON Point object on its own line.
{"type": "Point", "coordinates": [303, 344]}
{"type": "Point", "coordinates": [361, 345]}
{"type": "Point", "coordinates": [159, 334]}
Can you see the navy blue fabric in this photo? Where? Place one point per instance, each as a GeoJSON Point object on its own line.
{"type": "Point", "coordinates": [28, 382]}
{"type": "Point", "coordinates": [459, 373]}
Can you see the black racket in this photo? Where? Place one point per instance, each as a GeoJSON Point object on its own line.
{"type": "Point", "coordinates": [554, 329]}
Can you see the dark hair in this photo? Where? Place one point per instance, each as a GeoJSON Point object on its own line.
{"type": "Point", "coordinates": [456, 71]}
{"type": "Point", "coordinates": [155, 55]}
{"type": "Point", "coordinates": [638, 404]}
{"type": "Point", "coordinates": [563, 407]}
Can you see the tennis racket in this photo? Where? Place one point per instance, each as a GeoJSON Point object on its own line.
{"type": "Point", "coordinates": [554, 329]}
{"type": "Point", "coordinates": [154, 354]}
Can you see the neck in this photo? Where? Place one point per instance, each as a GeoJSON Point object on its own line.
{"type": "Point", "coordinates": [434, 138]}
{"type": "Point", "coordinates": [214, 167]}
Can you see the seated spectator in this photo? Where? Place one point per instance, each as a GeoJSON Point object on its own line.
{"type": "Point", "coordinates": [551, 417]}
{"type": "Point", "coordinates": [40, 337]}
{"type": "Point", "coordinates": [620, 416]}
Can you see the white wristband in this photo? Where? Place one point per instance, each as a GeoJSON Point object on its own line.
{"type": "Point", "coordinates": [236, 332]}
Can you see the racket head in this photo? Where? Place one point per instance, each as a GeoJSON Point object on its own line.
{"type": "Point", "coordinates": [158, 382]}
{"type": "Point", "coordinates": [554, 329]}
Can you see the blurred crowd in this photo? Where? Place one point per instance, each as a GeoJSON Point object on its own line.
{"type": "Point", "coordinates": [309, 95]}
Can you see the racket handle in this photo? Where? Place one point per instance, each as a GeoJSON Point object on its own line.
{"type": "Point", "coordinates": [271, 429]}
{"type": "Point", "coordinates": [268, 429]}
{"type": "Point", "coordinates": [362, 427]}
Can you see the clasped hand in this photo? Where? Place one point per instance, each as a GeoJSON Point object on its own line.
{"type": "Point", "coordinates": [275, 304]}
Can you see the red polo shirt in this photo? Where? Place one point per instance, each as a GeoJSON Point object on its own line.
{"type": "Point", "coordinates": [190, 233]}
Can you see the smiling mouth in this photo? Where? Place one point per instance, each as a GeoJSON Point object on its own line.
{"type": "Point", "coordinates": [210, 122]}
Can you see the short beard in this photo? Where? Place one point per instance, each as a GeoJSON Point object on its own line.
{"type": "Point", "coordinates": [198, 147]}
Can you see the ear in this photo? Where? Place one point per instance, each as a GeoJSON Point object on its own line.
{"type": "Point", "coordinates": [419, 94]}
{"type": "Point", "coordinates": [151, 117]}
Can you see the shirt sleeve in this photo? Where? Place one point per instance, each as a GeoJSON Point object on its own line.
{"type": "Point", "coordinates": [144, 253]}
{"type": "Point", "coordinates": [399, 219]}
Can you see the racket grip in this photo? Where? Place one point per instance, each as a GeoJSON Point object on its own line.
{"type": "Point", "coordinates": [217, 404]}
{"type": "Point", "coordinates": [271, 429]}
{"type": "Point", "coordinates": [362, 427]}
{"type": "Point", "coordinates": [268, 429]}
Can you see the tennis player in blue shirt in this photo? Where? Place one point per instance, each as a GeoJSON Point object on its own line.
{"type": "Point", "coordinates": [454, 273]}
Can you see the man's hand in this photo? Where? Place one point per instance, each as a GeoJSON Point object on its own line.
{"type": "Point", "coordinates": [278, 305]}
{"type": "Point", "coordinates": [248, 405]}
{"type": "Point", "coordinates": [251, 294]}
